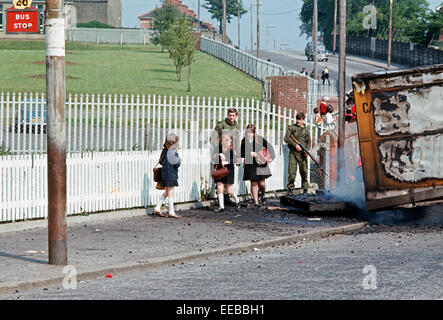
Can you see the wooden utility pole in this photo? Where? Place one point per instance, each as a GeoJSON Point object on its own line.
{"type": "Point", "coordinates": [258, 29]}
{"type": "Point", "coordinates": [252, 36]}
{"type": "Point", "coordinates": [314, 37]}
{"type": "Point", "coordinates": [238, 20]}
{"type": "Point", "coordinates": [56, 137]}
{"type": "Point", "coordinates": [198, 10]}
{"type": "Point", "coordinates": [390, 33]}
{"type": "Point", "coordinates": [335, 26]}
{"type": "Point", "coordinates": [341, 91]}
{"type": "Point", "coordinates": [224, 21]}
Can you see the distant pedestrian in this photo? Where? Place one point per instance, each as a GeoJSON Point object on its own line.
{"type": "Point", "coordinates": [297, 157]}
{"type": "Point", "coordinates": [303, 71]}
{"type": "Point", "coordinates": [325, 75]}
{"type": "Point", "coordinates": [225, 156]}
{"type": "Point", "coordinates": [329, 121]}
{"type": "Point", "coordinates": [257, 153]}
{"type": "Point", "coordinates": [318, 120]}
{"type": "Point", "coordinates": [170, 162]}
{"type": "Point", "coordinates": [323, 106]}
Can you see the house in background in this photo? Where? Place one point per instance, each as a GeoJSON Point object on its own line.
{"type": "Point", "coordinates": [105, 11]}
{"type": "Point", "coordinates": [146, 19]}
{"type": "Point", "coordinates": [76, 11]}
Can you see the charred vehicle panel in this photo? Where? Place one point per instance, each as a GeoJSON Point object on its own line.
{"type": "Point", "coordinates": [400, 128]}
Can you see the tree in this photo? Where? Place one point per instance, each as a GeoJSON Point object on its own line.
{"type": "Point", "coordinates": [426, 29]}
{"type": "Point", "coordinates": [215, 8]}
{"type": "Point", "coordinates": [182, 46]}
{"type": "Point", "coordinates": [163, 18]}
{"type": "Point", "coordinates": [407, 18]}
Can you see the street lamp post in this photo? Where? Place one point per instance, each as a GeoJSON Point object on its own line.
{"type": "Point", "coordinates": [198, 23]}
{"type": "Point", "coordinates": [258, 27]}
{"type": "Point", "coordinates": [267, 33]}
{"type": "Point", "coordinates": [224, 20]}
{"type": "Point", "coordinates": [341, 91]}
{"type": "Point", "coordinates": [390, 33]}
{"type": "Point", "coordinates": [252, 40]}
{"type": "Point", "coordinates": [314, 37]}
{"type": "Point", "coordinates": [238, 16]}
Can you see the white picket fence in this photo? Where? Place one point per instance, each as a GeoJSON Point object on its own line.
{"type": "Point", "coordinates": [135, 122]}
{"type": "Point", "coordinates": [106, 181]}
{"type": "Point", "coordinates": [104, 169]}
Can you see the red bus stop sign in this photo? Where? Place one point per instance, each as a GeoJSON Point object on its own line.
{"type": "Point", "coordinates": [22, 21]}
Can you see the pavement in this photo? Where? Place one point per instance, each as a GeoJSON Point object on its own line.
{"type": "Point", "coordinates": [112, 242]}
{"type": "Point", "coordinates": [368, 60]}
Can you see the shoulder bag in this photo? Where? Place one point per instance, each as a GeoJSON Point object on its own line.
{"type": "Point", "coordinates": [158, 171]}
{"type": "Point", "coordinates": [220, 173]}
{"type": "Point", "coordinates": [263, 157]}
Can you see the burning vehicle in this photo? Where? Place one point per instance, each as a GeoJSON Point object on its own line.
{"type": "Point", "coordinates": [400, 129]}
{"type": "Point", "coordinates": [396, 137]}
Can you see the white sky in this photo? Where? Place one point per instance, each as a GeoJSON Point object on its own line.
{"type": "Point", "coordinates": [284, 14]}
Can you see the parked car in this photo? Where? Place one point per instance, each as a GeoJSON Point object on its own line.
{"type": "Point", "coordinates": [31, 117]}
{"type": "Point", "coordinates": [321, 55]}
{"type": "Point", "coordinates": [309, 47]}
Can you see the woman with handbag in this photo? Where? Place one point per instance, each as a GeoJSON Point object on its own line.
{"type": "Point", "coordinates": [170, 161]}
{"type": "Point", "coordinates": [225, 159]}
{"type": "Point", "coordinates": [257, 153]}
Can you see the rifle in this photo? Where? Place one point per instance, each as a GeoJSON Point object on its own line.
{"type": "Point", "coordinates": [308, 153]}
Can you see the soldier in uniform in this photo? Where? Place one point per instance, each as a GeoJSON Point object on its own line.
{"type": "Point", "coordinates": [230, 126]}
{"type": "Point", "coordinates": [296, 154]}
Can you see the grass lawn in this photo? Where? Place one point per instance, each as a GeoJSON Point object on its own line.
{"type": "Point", "coordinates": [127, 69]}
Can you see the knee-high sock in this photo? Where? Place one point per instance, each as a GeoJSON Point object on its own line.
{"type": "Point", "coordinates": [235, 198]}
{"type": "Point", "coordinates": [159, 204]}
{"type": "Point", "coordinates": [221, 200]}
{"type": "Point", "coordinates": [171, 205]}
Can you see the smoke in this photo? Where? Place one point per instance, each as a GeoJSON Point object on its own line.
{"type": "Point", "coordinates": [350, 184]}
{"type": "Point", "coordinates": [350, 188]}
{"type": "Point", "coordinates": [422, 215]}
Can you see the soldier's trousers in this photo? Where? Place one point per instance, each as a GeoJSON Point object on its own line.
{"type": "Point", "coordinates": [296, 159]}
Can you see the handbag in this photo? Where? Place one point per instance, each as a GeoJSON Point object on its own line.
{"type": "Point", "coordinates": [159, 186]}
{"type": "Point", "coordinates": [263, 157]}
{"type": "Point", "coordinates": [220, 173]}
{"type": "Point", "coordinates": [158, 171]}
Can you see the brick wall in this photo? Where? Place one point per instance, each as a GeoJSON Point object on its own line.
{"type": "Point", "coordinates": [290, 92]}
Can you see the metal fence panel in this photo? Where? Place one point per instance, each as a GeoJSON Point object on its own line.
{"type": "Point", "coordinates": [116, 36]}
{"type": "Point", "coordinates": [256, 68]}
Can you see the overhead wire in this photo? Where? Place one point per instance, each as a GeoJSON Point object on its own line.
{"type": "Point", "coordinates": [281, 13]}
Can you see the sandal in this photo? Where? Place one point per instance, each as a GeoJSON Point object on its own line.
{"type": "Point", "coordinates": [170, 215]}
{"type": "Point", "coordinates": [158, 213]}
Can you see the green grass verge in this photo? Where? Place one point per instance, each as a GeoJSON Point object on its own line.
{"type": "Point", "coordinates": [117, 69]}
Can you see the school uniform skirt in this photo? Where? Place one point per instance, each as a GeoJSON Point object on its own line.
{"type": "Point", "coordinates": [254, 172]}
{"type": "Point", "coordinates": [169, 183]}
{"type": "Point", "coordinates": [230, 178]}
